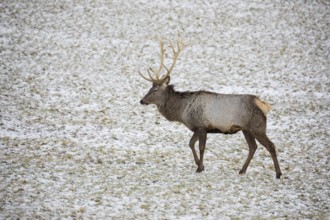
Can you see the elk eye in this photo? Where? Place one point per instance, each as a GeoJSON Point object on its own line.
{"type": "Point", "coordinates": [155, 90]}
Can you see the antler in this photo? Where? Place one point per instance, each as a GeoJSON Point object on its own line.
{"type": "Point", "coordinates": [176, 52]}
{"type": "Point", "coordinates": [180, 47]}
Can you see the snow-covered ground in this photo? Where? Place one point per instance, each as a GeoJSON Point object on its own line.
{"type": "Point", "coordinates": [76, 143]}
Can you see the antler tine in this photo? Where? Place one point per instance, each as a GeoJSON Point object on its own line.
{"type": "Point", "coordinates": [162, 52]}
{"type": "Point", "coordinates": [150, 69]}
{"type": "Point", "coordinates": [150, 79]}
{"type": "Point", "coordinates": [180, 47]}
{"type": "Point", "coordinates": [157, 73]}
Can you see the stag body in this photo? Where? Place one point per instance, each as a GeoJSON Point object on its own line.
{"type": "Point", "coordinates": [206, 112]}
{"type": "Point", "coordinates": [217, 113]}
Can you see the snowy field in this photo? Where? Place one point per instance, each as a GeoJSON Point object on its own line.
{"type": "Point", "coordinates": [76, 143]}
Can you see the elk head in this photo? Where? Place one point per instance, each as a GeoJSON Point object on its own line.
{"type": "Point", "coordinates": [159, 83]}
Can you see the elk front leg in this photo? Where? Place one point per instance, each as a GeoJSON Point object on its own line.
{"type": "Point", "coordinates": [192, 142]}
{"type": "Point", "coordinates": [202, 143]}
{"type": "Point", "coordinates": [252, 149]}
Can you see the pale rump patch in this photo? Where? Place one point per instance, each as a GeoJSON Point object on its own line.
{"type": "Point", "coordinates": [265, 107]}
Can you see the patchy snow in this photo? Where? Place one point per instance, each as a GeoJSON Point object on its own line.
{"type": "Point", "coordinates": [76, 143]}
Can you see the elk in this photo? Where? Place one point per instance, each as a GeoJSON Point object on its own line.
{"type": "Point", "coordinates": [206, 112]}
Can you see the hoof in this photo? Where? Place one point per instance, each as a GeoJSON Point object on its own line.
{"type": "Point", "coordinates": [278, 176]}
{"type": "Point", "coordinates": [200, 169]}
{"type": "Point", "coordinates": [242, 172]}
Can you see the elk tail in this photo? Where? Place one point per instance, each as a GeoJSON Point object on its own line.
{"type": "Point", "coordinates": [263, 106]}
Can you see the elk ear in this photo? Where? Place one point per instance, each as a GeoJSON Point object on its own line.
{"type": "Point", "coordinates": [166, 81]}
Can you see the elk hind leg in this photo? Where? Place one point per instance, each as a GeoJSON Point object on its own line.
{"type": "Point", "coordinates": [264, 140]}
{"type": "Point", "coordinates": [250, 139]}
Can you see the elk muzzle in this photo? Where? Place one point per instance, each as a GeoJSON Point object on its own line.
{"type": "Point", "coordinates": [143, 102]}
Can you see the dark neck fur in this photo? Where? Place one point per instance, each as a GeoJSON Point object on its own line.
{"type": "Point", "coordinates": [173, 104]}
